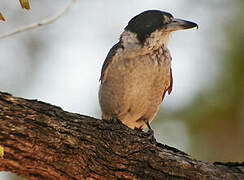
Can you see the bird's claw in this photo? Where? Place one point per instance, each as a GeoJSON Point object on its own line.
{"type": "Point", "coordinates": [150, 133]}
{"type": "Point", "coordinates": [116, 120]}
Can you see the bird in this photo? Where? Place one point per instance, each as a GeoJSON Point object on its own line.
{"type": "Point", "coordinates": [136, 73]}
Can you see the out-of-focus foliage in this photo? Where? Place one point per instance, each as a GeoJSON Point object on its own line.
{"type": "Point", "coordinates": [1, 17]}
{"type": "Point", "coordinates": [215, 118]}
{"type": "Point", "coordinates": [25, 4]}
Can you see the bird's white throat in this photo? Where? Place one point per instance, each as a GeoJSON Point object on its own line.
{"type": "Point", "coordinates": [156, 40]}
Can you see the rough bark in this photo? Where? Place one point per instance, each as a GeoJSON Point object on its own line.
{"type": "Point", "coordinates": [41, 141]}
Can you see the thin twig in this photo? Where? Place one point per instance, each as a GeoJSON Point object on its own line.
{"type": "Point", "coordinates": [43, 22]}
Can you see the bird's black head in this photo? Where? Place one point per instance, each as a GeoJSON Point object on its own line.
{"type": "Point", "coordinates": [148, 21]}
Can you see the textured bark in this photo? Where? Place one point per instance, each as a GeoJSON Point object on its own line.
{"type": "Point", "coordinates": [41, 141]}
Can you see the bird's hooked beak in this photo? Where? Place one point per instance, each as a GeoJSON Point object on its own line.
{"type": "Point", "coordinates": [180, 24]}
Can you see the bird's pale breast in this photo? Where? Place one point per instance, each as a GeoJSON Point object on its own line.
{"type": "Point", "coordinates": [134, 86]}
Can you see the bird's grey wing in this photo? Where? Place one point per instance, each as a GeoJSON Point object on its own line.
{"type": "Point", "coordinates": [169, 89]}
{"type": "Point", "coordinates": [109, 58]}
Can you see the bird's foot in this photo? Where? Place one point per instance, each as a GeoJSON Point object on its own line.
{"type": "Point", "coordinates": [115, 119]}
{"type": "Point", "coordinates": [138, 129]}
{"type": "Point", "coordinates": [150, 133]}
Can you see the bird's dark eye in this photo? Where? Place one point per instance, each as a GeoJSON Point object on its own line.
{"type": "Point", "coordinates": [167, 19]}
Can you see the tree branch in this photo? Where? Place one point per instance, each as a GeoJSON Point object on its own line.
{"type": "Point", "coordinates": [41, 141]}
{"type": "Point", "coordinates": [43, 22]}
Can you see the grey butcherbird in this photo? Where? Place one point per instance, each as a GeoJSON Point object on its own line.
{"type": "Point", "coordinates": [137, 71]}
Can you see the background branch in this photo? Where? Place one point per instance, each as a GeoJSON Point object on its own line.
{"type": "Point", "coordinates": [43, 22]}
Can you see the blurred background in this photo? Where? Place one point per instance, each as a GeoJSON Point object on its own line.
{"type": "Point", "coordinates": [60, 64]}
